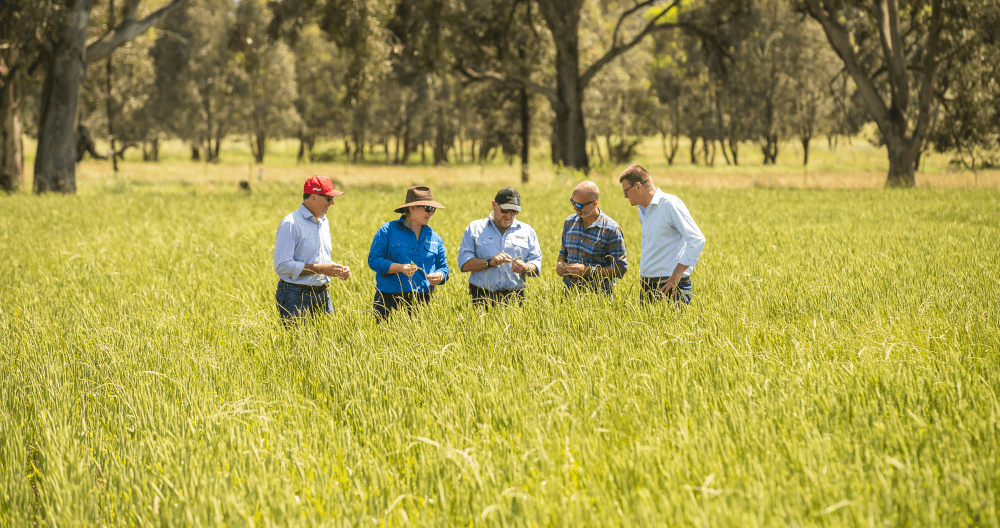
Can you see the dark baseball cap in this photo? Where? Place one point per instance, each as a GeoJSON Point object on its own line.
{"type": "Point", "coordinates": [508, 199]}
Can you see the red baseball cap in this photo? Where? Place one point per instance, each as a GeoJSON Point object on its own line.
{"type": "Point", "coordinates": [320, 185]}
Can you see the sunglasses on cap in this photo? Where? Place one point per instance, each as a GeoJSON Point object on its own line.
{"type": "Point", "coordinates": [580, 205]}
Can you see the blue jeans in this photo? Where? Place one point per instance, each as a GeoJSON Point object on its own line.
{"type": "Point", "coordinates": [293, 299]}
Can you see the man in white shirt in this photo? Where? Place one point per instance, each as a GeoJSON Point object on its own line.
{"type": "Point", "coordinates": [302, 250]}
{"type": "Point", "coordinates": [671, 241]}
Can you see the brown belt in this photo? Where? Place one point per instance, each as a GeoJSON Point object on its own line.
{"type": "Point", "coordinates": [316, 289]}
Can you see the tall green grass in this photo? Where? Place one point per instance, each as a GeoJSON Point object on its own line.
{"type": "Point", "coordinates": [837, 367]}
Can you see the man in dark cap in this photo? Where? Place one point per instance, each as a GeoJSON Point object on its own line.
{"type": "Point", "coordinates": [499, 252]}
{"type": "Point", "coordinates": [302, 253]}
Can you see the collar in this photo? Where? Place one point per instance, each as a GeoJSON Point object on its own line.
{"type": "Point", "coordinates": [307, 214]}
{"type": "Point", "coordinates": [601, 219]}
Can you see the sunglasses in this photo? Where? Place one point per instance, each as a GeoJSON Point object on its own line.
{"type": "Point", "coordinates": [580, 205]}
{"type": "Point", "coordinates": [633, 185]}
{"type": "Point", "coordinates": [509, 212]}
{"type": "Point", "coordinates": [329, 199]}
{"type": "Point", "coordinates": [430, 208]}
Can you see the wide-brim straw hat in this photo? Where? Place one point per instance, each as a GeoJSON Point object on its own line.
{"type": "Point", "coordinates": [419, 195]}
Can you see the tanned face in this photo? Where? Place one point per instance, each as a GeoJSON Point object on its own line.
{"type": "Point", "coordinates": [503, 219]}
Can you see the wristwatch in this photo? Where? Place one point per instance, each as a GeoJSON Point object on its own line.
{"type": "Point", "coordinates": [489, 262]}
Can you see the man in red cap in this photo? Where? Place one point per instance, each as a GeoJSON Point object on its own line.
{"type": "Point", "coordinates": [302, 253]}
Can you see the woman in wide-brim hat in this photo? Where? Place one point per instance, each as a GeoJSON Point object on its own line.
{"type": "Point", "coordinates": [407, 255]}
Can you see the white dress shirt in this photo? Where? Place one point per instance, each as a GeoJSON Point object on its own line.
{"type": "Point", "coordinates": [669, 237]}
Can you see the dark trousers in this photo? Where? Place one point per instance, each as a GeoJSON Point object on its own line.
{"type": "Point", "coordinates": [294, 299]}
{"type": "Point", "coordinates": [651, 291]}
{"type": "Point", "coordinates": [385, 303]}
{"type": "Point", "coordinates": [481, 297]}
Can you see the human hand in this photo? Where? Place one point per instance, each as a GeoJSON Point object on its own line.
{"type": "Point", "coordinates": [500, 258]}
{"type": "Point", "coordinates": [435, 278]}
{"type": "Point", "coordinates": [345, 272]}
{"type": "Point", "coordinates": [409, 269]}
{"type": "Point", "coordinates": [667, 285]}
{"type": "Point", "coordinates": [560, 268]}
{"type": "Point", "coordinates": [577, 270]}
{"type": "Point", "coordinates": [519, 266]}
{"type": "Point", "coordinates": [331, 269]}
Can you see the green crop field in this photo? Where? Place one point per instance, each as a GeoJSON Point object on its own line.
{"type": "Point", "coordinates": [838, 366]}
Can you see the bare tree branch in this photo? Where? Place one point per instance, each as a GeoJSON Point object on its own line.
{"type": "Point", "coordinates": [513, 80]}
{"type": "Point", "coordinates": [127, 30]}
{"type": "Point", "coordinates": [617, 49]}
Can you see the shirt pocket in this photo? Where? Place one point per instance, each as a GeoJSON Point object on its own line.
{"type": "Point", "coordinates": [485, 247]}
{"type": "Point", "coordinates": [519, 247]}
{"type": "Point", "coordinates": [431, 250]}
{"type": "Point", "coordinates": [400, 252]}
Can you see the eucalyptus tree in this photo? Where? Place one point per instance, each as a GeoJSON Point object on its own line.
{"type": "Point", "coordinates": [357, 27]}
{"type": "Point", "coordinates": [566, 92]}
{"type": "Point", "coordinates": [26, 26]}
{"type": "Point", "coordinates": [892, 49]}
{"type": "Point", "coordinates": [266, 74]}
{"type": "Point", "coordinates": [194, 59]}
{"type": "Point", "coordinates": [969, 89]}
{"type": "Point", "coordinates": [64, 65]}
{"type": "Point", "coordinates": [319, 73]}
{"type": "Point", "coordinates": [115, 99]}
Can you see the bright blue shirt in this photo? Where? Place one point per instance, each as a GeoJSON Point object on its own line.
{"type": "Point", "coordinates": [395, 243]}
{"type": "Point", "coordinates": [599, 244]}
{"type": "Point", "coordinates": [482, 240]}
{"type": "Point", "coordinates": [302, 239]}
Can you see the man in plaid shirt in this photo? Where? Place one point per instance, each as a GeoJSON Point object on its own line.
{"type": "Point", "coordinates": [592, 254]}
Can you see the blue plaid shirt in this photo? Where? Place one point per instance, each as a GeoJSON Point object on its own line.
{"type": "Point", "coordinates": [600, 244]}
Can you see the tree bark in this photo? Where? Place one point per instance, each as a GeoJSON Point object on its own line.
{"type": "Point", "coordinates": [525, 134]}
{"type": "Point", "coordinates": [55, 161]}
{"type": "Point", "coordinates": [893, 118]}
{"type": "Point", "coordinates": [11, 144]}
{"type": "Point", "coordinates": [65, 69]}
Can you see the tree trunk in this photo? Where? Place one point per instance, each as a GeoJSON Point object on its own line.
{"type": "Point", "coordinates": [805, 149]}
{"type": "Point", "coordinates": [55, 161]}
{"type": "Point", "coordinates": [440, 140]}
{"type": "Point", "coordinates": [11, 144]}
{"type": "Point", "coordinates": [569, 133]}
{"type": "Point", "coordinates": [525, 134]}
{"type": "Point", "coordinates": [258, 146]}
{"type": "Point", "coordinates": [694, 151]}
{"type": "Point", "coordinates": [902, 162]}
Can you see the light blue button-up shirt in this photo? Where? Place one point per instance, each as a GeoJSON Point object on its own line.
{"type": "Point", "coordinates": [482, 240]}
{"type": "Point", "coordinates": [669, 237]}
{"type": "Point", "coordinates": [302, 239]}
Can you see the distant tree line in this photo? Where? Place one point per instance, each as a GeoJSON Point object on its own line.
{"type": "Point", "coordinates": [451, 81]}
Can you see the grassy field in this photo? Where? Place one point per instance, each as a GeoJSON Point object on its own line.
{"type": "Point", "coordinates": [837, 367]}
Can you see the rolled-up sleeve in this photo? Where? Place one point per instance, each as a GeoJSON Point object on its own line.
{"type": "Point", "coordinates": [694, 240]}
{"type": "Point", "coordinates": [284, 251]}
{"type": "Point", "coordinates": [378, 254]}
{"type": "Point", "coordinates": [467, 250]}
